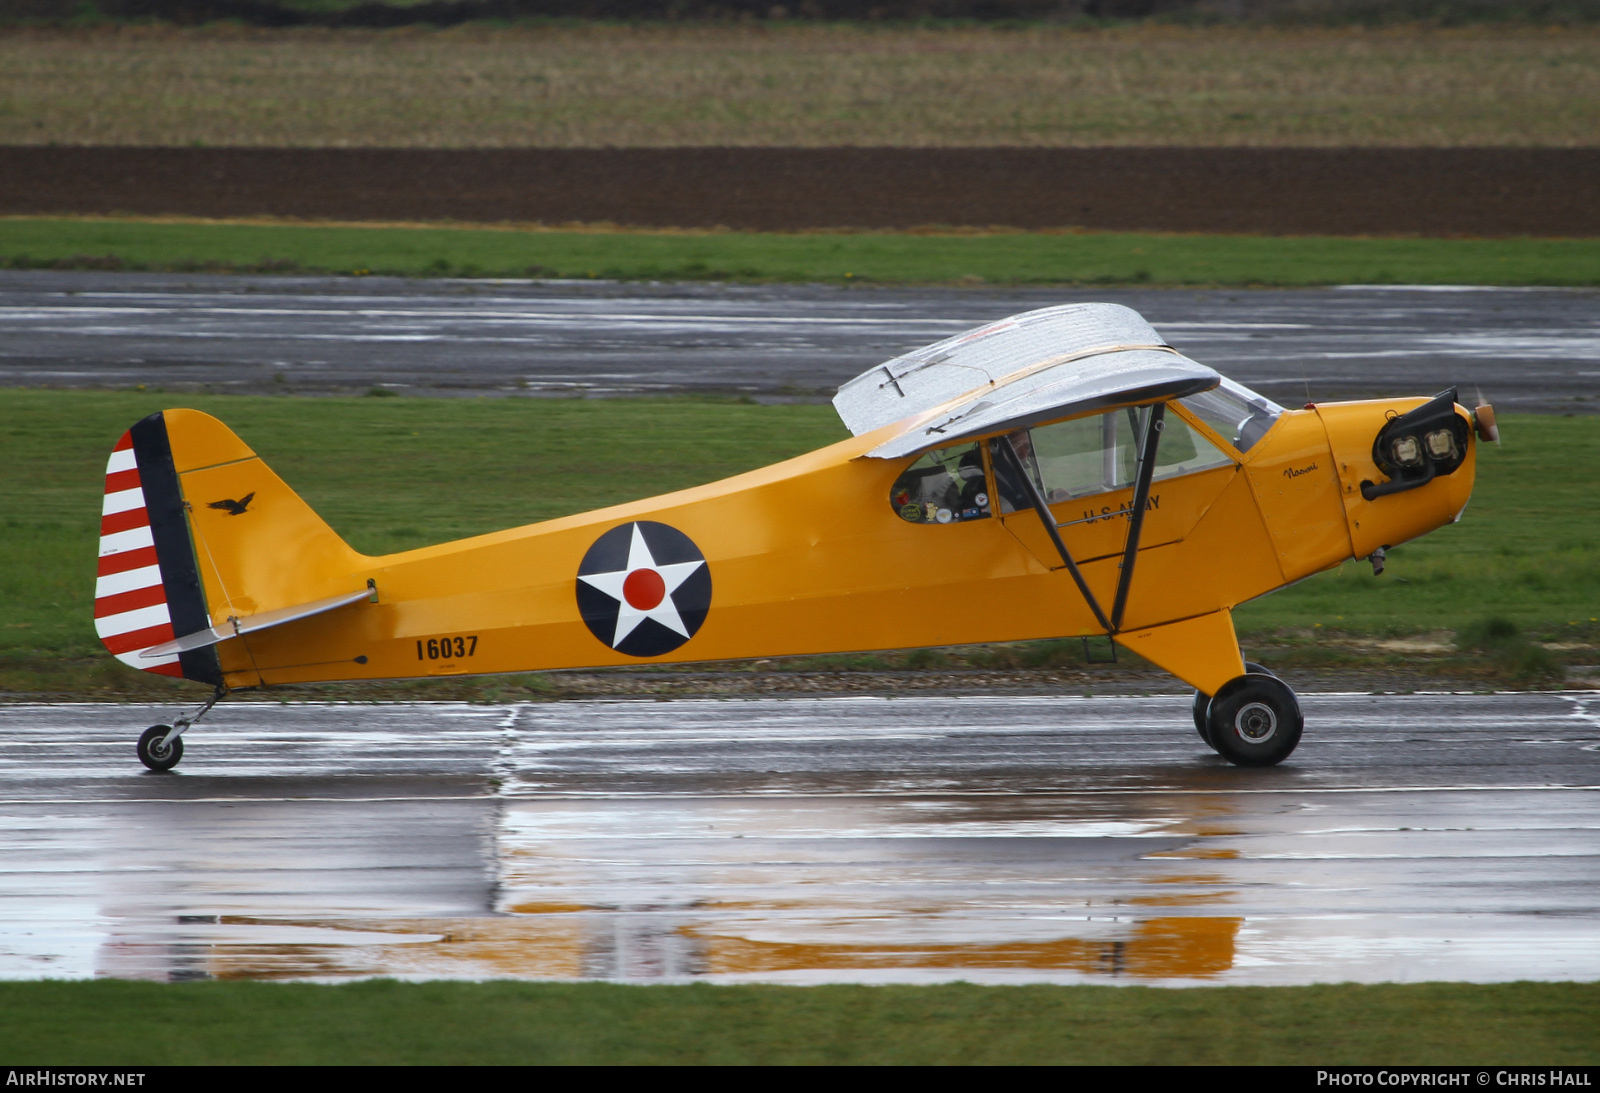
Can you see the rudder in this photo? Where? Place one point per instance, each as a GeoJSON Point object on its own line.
{"type": "Point", "coordinates": [147, 588]}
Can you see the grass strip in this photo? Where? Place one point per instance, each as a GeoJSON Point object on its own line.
{"type": "Point", "coordinates": [383, 1021]}
{"type": "Point", "coordinates": [395, 473]}
{"type": "Point", "coordinates": [843, 257]}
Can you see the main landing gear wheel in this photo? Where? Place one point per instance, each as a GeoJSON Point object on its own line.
{"type": "Point", "coordinates": [1255, 720]}
{"type": "Point", "coordinates": [156, 755]}
{"type": "Point", "coordinates": [1202, 701]}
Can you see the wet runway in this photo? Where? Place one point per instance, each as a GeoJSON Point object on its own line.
{"type": "Point", "coordinates": [1528, 349]}
{"type": "Point", "coordinates": [992, 839]}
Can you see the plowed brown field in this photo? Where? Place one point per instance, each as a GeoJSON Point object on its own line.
{"type": "Point", "coordinates": [1289, 191]}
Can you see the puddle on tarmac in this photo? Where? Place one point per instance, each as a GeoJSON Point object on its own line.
{"type": "Point", "coordinates": [1130, 888]}
{"type": "Point", "coordinates": [942, 842]}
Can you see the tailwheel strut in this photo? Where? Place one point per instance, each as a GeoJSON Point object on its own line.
{"type": "Point", "coordinates": [161, 746]}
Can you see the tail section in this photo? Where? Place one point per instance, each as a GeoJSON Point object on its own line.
{"type": "Point", "coordinates": [197, 532]}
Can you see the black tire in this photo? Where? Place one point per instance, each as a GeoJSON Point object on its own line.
{"type": "Point", "coordinates": [152, 755]}
{"type": "Point", "coordinates": [1202, 701]}
{"type": "Point", "coordinates": [1255, 720]}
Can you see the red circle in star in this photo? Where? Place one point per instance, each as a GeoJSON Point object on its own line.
{"type": "Point", "coordinates": [643, 589]}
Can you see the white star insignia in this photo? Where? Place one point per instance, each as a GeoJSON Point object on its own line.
{"type": "Point", "coordinates": [630, 616]}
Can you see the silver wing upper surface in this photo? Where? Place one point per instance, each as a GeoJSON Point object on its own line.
{"type": "Point", "coordinates": [1034, 367]}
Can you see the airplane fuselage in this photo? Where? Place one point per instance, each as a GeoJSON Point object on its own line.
{"type": "Point", "coordinates": [803, 557]}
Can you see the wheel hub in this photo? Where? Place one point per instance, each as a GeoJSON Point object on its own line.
{"type": "Point", "coordinates": [1256, 723]}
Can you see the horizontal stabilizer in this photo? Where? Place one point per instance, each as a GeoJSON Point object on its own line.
{"type": "Point", "coordinates": [234, 627]}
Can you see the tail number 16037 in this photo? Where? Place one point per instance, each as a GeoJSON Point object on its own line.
{"type": "Point", "coordinates": [447, 648]}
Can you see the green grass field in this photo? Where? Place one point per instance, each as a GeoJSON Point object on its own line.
{"type": "Point", "coordinates": [131, 1024]}
{"type": "Point", "coordinates": [837, 257]}
{"type": "Point", "coordinates": [387, 474]}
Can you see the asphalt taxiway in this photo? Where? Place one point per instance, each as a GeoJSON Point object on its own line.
{"type": "Point", "coordinates": [913, 839]}
{"type": "Point", "coordinates": [1526, 348]}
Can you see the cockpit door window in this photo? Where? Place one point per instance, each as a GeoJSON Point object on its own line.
{"type": "Point", "coordinates": [945, 486]}
{"type": "Point", "coordinates": [1099, 454]}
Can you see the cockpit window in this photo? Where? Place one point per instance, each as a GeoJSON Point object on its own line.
{"type": "Point", "coordinates": [1099, 454]}
{"type": "Point", "coordinates": [1184, 450]}
{"type": "Point", "coordinates": [943, 487]}
{"type": "Point", "coordinates": [1238, 414]}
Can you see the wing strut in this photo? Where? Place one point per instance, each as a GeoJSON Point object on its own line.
{"type": "Point", "coordinates": [1148, 444]}
{"type": "Point", "coordinates": [1141, 497]}
{"type": "Point", "coordinates": [1040, 506]}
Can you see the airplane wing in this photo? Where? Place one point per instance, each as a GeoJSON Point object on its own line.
{"type": "Point", "coordinates": [1038, 366]}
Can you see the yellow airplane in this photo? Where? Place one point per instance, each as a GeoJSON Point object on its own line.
{"type": "Point", "coordinates": [1062, 472]}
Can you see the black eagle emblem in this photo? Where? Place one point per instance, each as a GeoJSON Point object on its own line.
{"type": "Point", "coordinates": [231, 507]}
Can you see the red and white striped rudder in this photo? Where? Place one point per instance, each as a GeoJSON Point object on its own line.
{"type": "Point", "coordinates": [130, 602]}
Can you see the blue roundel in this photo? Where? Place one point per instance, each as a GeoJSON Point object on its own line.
{"type": "Point", "coordinates": [644, 588]}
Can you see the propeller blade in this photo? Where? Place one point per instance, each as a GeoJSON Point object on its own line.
{"type": "Point", "coordinates": [1483, 419]}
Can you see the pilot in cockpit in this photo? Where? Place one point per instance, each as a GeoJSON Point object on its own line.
{"type": "Point", "coordinates": [944, 486]}
{"type": "Point", "coordinates": [1013, 494]}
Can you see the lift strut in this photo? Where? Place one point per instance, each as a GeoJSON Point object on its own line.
{"type": "Point", "coordinates": [1051, 527]}
{"type": "Point", "coordinates": [1149, 441]}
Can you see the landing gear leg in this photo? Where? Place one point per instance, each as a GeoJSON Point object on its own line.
{"type": "Point", "coordinates": [1202, 702]}
{"type": "Point", "coordinates": [161, 746]}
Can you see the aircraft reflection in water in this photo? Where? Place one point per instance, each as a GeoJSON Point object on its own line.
{"type": "Point", "coordinates": [989, 838]}
{"type": "Point", "coordinates": [798, 890]}
{"type": "Point", "coordinates": [815, 889]}
{"type": "Point", "coordinates": [638, 945]}
{"type": "Point", "coordinates": [1156, 948]}
{"type": "Point", "coordinates": [1063, 472]}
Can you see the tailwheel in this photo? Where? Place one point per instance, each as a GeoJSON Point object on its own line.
{"type": "Point", "coordinates": [1202, 701]}
{"type": "Point", "coordinates": [157, 755]}
{"type": "Point", "coordinates": [161, 746]}
{"type": "Point", "coordinates": [1255, 720]}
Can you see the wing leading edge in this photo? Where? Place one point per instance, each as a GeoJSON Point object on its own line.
{"type": "Point", "coordinates": [1039, 366]}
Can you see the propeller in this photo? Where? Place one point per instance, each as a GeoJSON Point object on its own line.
{"type": "Point", "coordinates": [1483, 419]}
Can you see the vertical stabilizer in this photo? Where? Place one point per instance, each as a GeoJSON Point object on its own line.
{"type": "Point", "coordinates": [200, 543]}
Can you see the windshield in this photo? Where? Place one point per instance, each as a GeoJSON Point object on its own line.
{"type": "Point", "coordinates": [1238, 414]}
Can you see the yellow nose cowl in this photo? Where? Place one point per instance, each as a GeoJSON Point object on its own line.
{"type": "Point", "coordinates": [1384, 519]}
